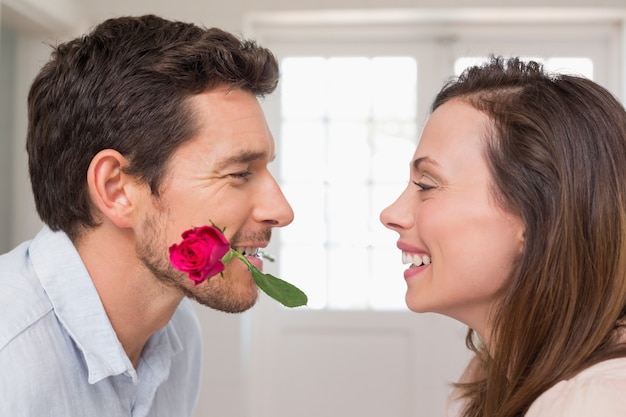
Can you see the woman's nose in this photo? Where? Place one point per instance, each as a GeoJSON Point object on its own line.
{"type": "Point", "coordinates": [398, 215]}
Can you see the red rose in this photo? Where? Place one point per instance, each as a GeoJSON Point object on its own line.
{"type": "Point", "coordinates": [200, 253]}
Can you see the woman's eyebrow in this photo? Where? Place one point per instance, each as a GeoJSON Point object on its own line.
{"type": "Point", "coordinates": [423, 160]}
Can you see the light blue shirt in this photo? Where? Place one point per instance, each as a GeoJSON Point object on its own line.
{"type": "Point", "coordinates": [59, 354]}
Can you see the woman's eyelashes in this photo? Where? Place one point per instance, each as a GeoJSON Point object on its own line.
{"type": "Point", "coordinates": [424, 184]}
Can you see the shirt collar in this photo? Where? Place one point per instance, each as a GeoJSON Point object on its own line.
{"type": "Point", "coordinates": [77, 304]}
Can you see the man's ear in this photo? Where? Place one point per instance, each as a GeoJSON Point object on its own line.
{"type": "Point", "coordinates": [112, 191]}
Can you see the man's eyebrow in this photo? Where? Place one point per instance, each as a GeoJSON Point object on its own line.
{"type": "Point", "coordinates": [423, 160]}
{"type": "Point", "coordinates": [243, 157]}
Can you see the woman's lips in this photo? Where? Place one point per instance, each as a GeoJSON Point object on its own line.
{"type": "Point", "coordinates": [413, 270]}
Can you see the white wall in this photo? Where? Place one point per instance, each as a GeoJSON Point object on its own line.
{"type": "Point", "coordinates": [30, 24]}
{"type": "Point", "coordinates": [7, 74]}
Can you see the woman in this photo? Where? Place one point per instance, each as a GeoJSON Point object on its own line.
{"type": "Point", "coordinates": [514, 223]}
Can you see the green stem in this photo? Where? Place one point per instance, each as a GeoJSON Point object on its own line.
{"type": "Point", "coordinates": [242, 259]}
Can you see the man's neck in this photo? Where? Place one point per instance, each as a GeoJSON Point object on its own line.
{"type": "Point", "coordinates": [136, 303]}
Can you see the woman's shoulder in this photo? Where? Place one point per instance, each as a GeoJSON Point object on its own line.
{"type": "Point", "coordinates": [596, 391]}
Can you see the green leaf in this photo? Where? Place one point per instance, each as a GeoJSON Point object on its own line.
{"type": "Point", "coordinates": [281, 291]}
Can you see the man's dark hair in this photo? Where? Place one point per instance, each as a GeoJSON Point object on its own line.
{"type": "Point", "coordinates": [125, 86]}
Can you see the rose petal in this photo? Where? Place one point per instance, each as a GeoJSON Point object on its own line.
{"type": "Point", "coordinates": [200, 253]}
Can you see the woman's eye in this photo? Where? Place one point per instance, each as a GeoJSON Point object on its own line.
{"type": "Point", "coordinates": [423, 186]}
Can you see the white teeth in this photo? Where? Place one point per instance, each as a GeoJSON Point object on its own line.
{"type": "Point", "coordinates": [406, 258]}
{"type": "Point", "coordinates": [415, 259]}
{"type": "Point", "coordinates": [248, 250]}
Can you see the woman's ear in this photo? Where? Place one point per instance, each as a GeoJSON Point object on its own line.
{"type": "Point", "coordinates": [112, 191]}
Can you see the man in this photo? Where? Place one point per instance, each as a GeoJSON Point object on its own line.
{"type": "Point", "coordinates": [137, 132]}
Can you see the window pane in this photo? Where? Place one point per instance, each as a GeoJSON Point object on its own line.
{"type": "Point", "coordinates": [394, 92]}
{"type": "Point", "coordinates": [348, 277]}
{"type": "Point", "coordinates": [341, 165]}
{"type": "Point", "coordinates": [303, 88]}
{"type": "Point", "coordinates": [349, 83]}
{"type": "Point", "coordinates": [467, 61]}
{"type": "Point", "coordinates": [306, 267]}
{"type": "Point", "coordinates": [348, 214]}
{"type": "Point", "coordinates": [303, 150]}
{"type": "Point", "coordinates": [578, 66]}
{"type": "Point", "coordinates": [388, 286]}
{"type": "Point", "coordinates": [394, 145]}
{"type": "Point", "coordinates": [309, 223]}
{"type": "Point", "coordinates": [348, 151]}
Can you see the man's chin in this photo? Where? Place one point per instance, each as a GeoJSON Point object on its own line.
{"type": "Point", "coordinates": [227, 305]}
{"type": "Point", "coordinates": [235, 292]}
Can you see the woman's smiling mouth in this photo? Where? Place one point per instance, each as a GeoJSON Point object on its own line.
{"type": "Point", "coordinates": [415, 259]}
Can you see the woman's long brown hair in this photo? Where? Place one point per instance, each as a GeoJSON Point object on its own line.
{"type": "Point", "coordinates": [557, 151]}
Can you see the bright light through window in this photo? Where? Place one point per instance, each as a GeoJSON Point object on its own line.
{"type": "Point", "coordinates": [348, 133]}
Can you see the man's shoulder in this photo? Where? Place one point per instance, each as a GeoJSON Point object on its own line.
{"type": "Point", "coordinates": [23, 301]}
